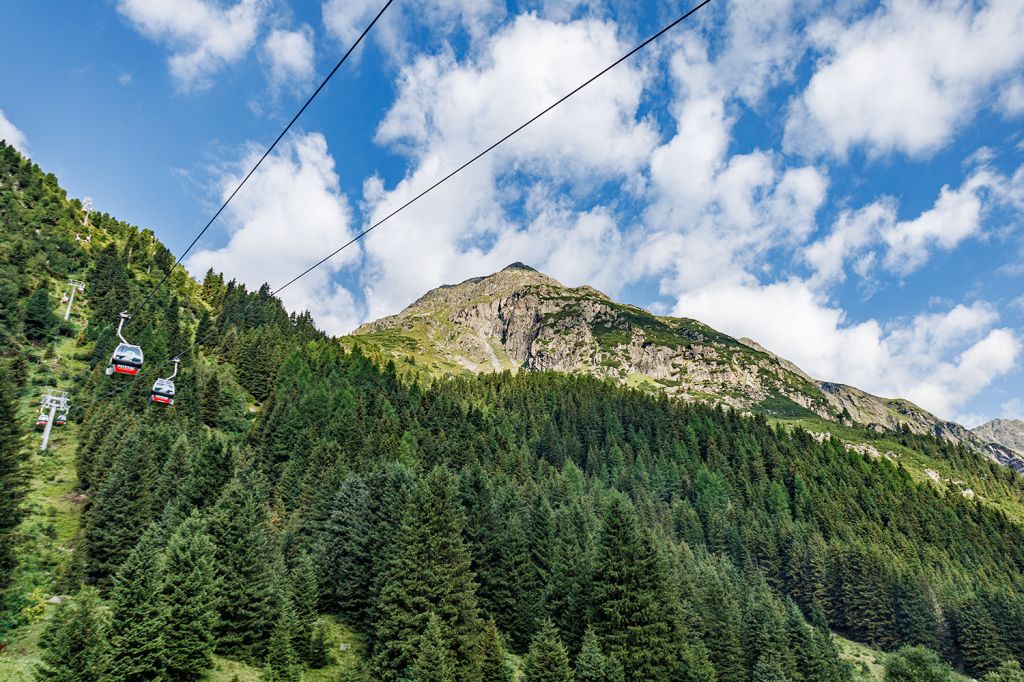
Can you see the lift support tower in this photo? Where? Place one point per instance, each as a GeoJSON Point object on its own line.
{"type": "Point", "coordinates": [54, 401]}
{"type": "Point", "coordinates": [76, 285]}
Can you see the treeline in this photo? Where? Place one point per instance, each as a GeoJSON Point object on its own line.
{"type": "Point", "coordinates": [545, 512]}
{"type": "Point", "coordinates": [593, 531]}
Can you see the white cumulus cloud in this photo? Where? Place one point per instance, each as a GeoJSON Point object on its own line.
{"type": "Point", "coordinates": [11, 133]}
{"type": "Point", "coordinates": [904, 77]}
{"type": "Point", "coordinates": [291, 55]}
{"type": "Point", "coordinates": [288, 216]}
{"type": "Point", "coordinates": [202, 35]}
{"type": "Point", "coordinates": [446, 111]}
{"type": "Point", "coordinates": [346, 19]}
{"type": "Point", "coordinates": [939, 361]}
{"type": "Point", "coordinates": [873, 236]}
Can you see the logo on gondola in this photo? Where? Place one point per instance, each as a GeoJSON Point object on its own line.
{"type": "Point", "coordinates": [125, 369]}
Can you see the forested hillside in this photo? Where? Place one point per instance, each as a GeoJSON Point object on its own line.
{"type": "Point", "coordinates": [305, 511]}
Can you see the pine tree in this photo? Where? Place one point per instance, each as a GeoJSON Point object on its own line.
{"type": "Point", "coordinates": [12, 475]}
{"type": "Point", "coordinates": [345, 553]}
{"type": "Point", "coordinates": [189, 601]}
{"type": "Point", "coordinates": [239, 527]}
{"type": "Point", "coordinates": [76, 641]}
{"type": "Point", "coordinates": [303, 595]}
{"type": "Point", "coordinates": [281, 664]}
{"type": "Point", "coordinates": [428, 571]}
{"type": "Point", "coordinates": [122, 507]}
{"type": "Point", "coordinates": [493, 667]}
{"type": "Point", "coordinates": [137, 625]}
{"type": "Point", "coordinates": [40, 320]}
{"type": "Point", "coordinates": [630, 588]}
{"type": "Point", "coordinates": [211, 401]}
{"type": "Point", "coordinates": [434, 662]}
{"type": "Point", "coordinates": [722, 623]}
{"type": "Point", "coordinates": [981, 646]}
{"type": "Point", "coordinates": [548, 661]}
{"type": "Point", "coordinates": [592, 665]}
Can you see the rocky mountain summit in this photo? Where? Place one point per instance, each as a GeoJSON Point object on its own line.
{"type": "Point", "coordinates": [1006, 432]}
{"type": "Point", "coordinates": [521, 319]}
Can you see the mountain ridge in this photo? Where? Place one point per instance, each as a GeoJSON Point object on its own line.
{"type": "Point", "coordinates": [520, 319]}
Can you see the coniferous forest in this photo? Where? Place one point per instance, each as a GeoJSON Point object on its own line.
{"type": "Point", "coordinates": [550, 526]}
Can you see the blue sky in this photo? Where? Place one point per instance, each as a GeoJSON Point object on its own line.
{"type": "Point", "coordinates": [842, 182]}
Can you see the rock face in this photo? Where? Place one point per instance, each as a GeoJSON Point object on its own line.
{"type": "Point", "coordinates": [1006, 435]}
{"type": "Point", "coordinates": [1007, 432]}
{"type": "Point", "coordinates": [519, 319]}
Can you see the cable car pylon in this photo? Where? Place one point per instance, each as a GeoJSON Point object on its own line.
{"type": "Point", "coordinates": [127, 357]}
{"type": "Point", "coordinates": [78, 286]}
{"type": "Point", "coordinates": [52, 401]}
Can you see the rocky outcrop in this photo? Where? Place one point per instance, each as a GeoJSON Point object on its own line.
{"type": "Point", "coordinates": [1008, 433]}
{"type": "Point", "coordinates": [519, 319]}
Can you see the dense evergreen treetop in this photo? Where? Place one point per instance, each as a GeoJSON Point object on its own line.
{"type": "Point", "coordinates": [594, 531]}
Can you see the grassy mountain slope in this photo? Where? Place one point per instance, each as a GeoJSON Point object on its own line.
{"type": "Point", "coordinates": [300, 495]}
{"type": "Point", "coordinates": [519, 318]}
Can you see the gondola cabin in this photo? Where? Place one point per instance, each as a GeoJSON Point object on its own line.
{"type": "Point", "coordinates": [162, 392]}
{"type": "Point", "coordinates": [61, 420]}
{"type": "Point", "coordinates": [127, 359]}
{"type": "Point", "coordinates": [41, 421]}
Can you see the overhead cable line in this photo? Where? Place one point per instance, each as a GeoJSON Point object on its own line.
{"type": "Point", "coordinates": [245, 310]}
{"type": "Point", "coordinates": [248, 175]}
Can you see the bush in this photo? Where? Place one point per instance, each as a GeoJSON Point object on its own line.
{"type": "Point", "coordinates": [916, 664]}
{"type": "Point", "coordinates": [1007, 672]}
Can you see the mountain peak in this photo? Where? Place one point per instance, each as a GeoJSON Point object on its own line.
{"type": "Point", "coordinates": [518, 266]}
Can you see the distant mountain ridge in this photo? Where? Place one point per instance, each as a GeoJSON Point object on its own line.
{"type": "Point", "coordinates": [1008, 433]}
{"type": "Point", "coordinates": [521, 319]}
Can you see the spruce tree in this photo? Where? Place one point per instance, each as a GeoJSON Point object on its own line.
{"type": "Point", "coordinates": [12, 475]}
{"type": "Point", "coordinates": [722, 624]}
{"type": "Point", "coordinates": [630, 588]}
{"type": "Point", "coordinates": [303, 595]}
{"type": "Point", "coordinates": [572, 567]}
{"type": "Point", "coordinates": [122, 508]}
{"type": "Point", "coordinates": [548, 660]}
{"type": "Point", "coordinates": [493, 667]}
{"type": "Point", "coordinates": [281, 661]}
{"type": "Point", "coordinates": [211, 401]}
{"type": "Point", "coordinates": [189, 601]}
{"type": "Point", "coordinates": [769, 669]}
{"type": "Point", "coordinates": [981, 646]}
{"type": "Point", "coordinates": [428, 571]}
{"type": "Point", "coordinates": [240, 529]}
{"type": "Point", "coordinates": [592, 665]}
{"type": "Point", "coordinates": [434, 662]}
{"type": "Point", "coordinates": [765, 635]}
{"type": "Point", "coordinates": [76, 641]}
{"type": "Point", "coordinates": [40, 320]}
{"type": "Point", "coordinates": [345, 553]}
{"type": "Point", "coordinates": [137, 625]}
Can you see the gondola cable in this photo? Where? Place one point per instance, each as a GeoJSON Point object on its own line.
{"type": "Point", "coordinates": [270, 149]}
{"type": "Point", "coordinates": [251, 306]}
